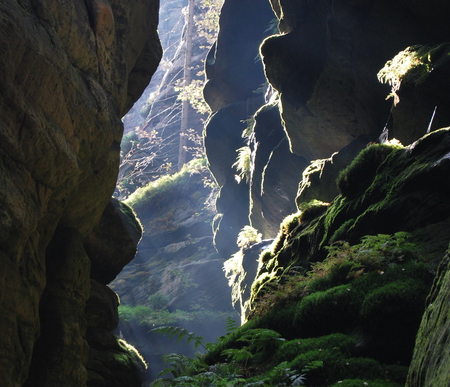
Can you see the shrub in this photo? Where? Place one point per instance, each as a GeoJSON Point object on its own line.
{"type": "Point", "coordinates": [158, 301]}
{"type": "Point", "coordinates": [165, 186]}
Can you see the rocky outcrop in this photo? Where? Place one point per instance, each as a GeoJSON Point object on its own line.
{"type": "Point", "coordinates": [177, 238]}
{"type": "Point", "coordinates": [324, 65]}
{"type": "Point", "coordinates": [429, 366]}
{"type": "Point", "coordinates": [67, 73]}
{"type": "Point", "coordinates": [323, 96]}
{"type": "Point", "coordinates": [234, 91]}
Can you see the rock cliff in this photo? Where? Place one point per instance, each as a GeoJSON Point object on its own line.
{"type": "Point", "coordinates": [68, 73]}
{"type": "Point", "coordinates": [323, 95]}
{"type": "Point", "coordinates": [324, 104]}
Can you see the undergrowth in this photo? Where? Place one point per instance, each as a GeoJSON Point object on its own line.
{"type": "Point", "coordinates": [308, 327]}
{"type": "Point", "coordinates": [164, 186]}
{"type": "Point", "coordinates": [342, 264]}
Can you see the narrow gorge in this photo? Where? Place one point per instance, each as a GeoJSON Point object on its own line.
{"type": "Point", "coordinates": [313, 212]}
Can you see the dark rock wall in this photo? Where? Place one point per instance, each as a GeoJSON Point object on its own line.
{"type": "Point", "coordinates": [68, 72]}
{"type": "Point", "coordinates": [429, 366]}
{"type": "Point", "coordinates": [324, 94]}
{"type": "Point", "coordinates": [234, 73]}
{"type": "Point", "coordinates": [325, 62]}
{"type": "Point", "coordinates": [324, 66]}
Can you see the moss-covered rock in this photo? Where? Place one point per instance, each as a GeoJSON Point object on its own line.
{"type": "Point", "coordinates": [429, 366]}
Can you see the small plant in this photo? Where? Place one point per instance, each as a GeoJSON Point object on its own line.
{"type": "Point", "coordinates": [412, 65]}
{"type": "Point", "coordinates": [248, 236]}
{"type": "Point", "coordinates": [243, 163]}
{"type": "Point", "coordinates": [158, 301]}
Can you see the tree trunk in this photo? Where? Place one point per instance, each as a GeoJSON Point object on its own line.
{"type": "Point", "coordinates": [187, 81]}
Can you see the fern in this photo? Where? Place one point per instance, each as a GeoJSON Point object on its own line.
{"type": "Point", "coordinates": [182, 333]}
{"type": "Point", "coordinates": [231, 325]}
{"type": "Point", "coordinates": [241, 356]}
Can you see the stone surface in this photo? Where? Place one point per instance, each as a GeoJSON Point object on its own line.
{"type": "Point", "coordinates": [429, 366]}
{"type": "Point", "coordinates": [67, 74]}
{"type": "Point", "coordinates": [275, 172]}
{"type": "Point", "coordinates": [325, 62]}
{"type": "Point", "coordinates": [234, 91]}
{"type": "Point", "coordinates": [319, 178]}
{"type": "Point", "coordinates": [113, 242]}
{"type": "Point", "coordinates": [177, 276]}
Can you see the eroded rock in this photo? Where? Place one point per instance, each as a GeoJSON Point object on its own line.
{"type": "Point", "coordinates": [67, 74]}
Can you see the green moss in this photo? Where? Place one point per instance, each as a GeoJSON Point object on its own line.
{"type": "Point", "coordinates": [132, 356]}
{"type": "Point", "coordinates": [341, 232]}
{"type": "Point", "coordinates": [321, 313]}
{"type": "Point", "coordinates": [358, 176]}
{"type": "Point", "coordinates": [291, 349]}
{"type": "Point", "coordinates": [394, 307]}
{"type": "Point", "coordinates": [365, 382]}
{"type": "Point", "coordinates": [131, 217]}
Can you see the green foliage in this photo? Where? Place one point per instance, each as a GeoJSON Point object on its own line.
{"type": "Point", "coordinates": [181, 333]}
{"type": "Point", "coordinates": [164, 186]}
{"type": "Point", "coordinates": [365, 382]}
{"type": "Point", "coordinates": [127, 142]}
{"type": "Point", "coordinates": [369, 289]}
{"type": "Point", "coordinates": [243, 163]}
{"type": "Point", "coordinates": [413, 65]}
{"type": "Point", "coordinates": [248, 236]}
{"type": "Point", "coordinates": [208, 22]}
{"type": "Point", "coordinates": [158, 301]}
{"type": "Point", "coordinates": [291, 349]}
{"type": "Point", "coordinates": [193, 93]}
{"type": "Point", "coordinates": [357, 176]}
{"type": "Point", "coordinates": [147, 317]}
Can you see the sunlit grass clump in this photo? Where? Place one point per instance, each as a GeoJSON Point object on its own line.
{"type": "Point", "coordinates": [167, 185]}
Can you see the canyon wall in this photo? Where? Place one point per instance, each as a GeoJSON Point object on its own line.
{"type": "Point", "coordinates": [323, 104]}
{"type": "Point", "coordinates": [68, 72]}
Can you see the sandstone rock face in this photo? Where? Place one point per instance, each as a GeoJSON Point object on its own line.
{"type": "Point", "coordinates": [275, 172]}
{"type": "Point", "coordinates": [234, 92]}
{"type": "Point", "coordinates": [324, 65]}
{"type": "Point", "coordinates": [429, 366]}
{"type": "Point", "coordinates": [68, 72]}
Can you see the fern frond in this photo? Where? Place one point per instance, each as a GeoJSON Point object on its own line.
{"type": "Point", "coordinates": [181, 333]}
